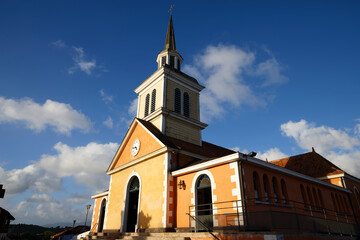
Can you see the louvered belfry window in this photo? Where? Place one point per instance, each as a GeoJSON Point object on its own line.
{"type": "Point", "coordinates": [186, 105]}
{"type": "Point", "coordinates": [177, 98]}
{"type": "Point", "coordinates": [147, 102]}
{"type": "Point", "coordinates": [153, 100]}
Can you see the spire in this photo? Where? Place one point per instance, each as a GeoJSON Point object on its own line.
{"type": "Point", "coordinates": [170, 37]}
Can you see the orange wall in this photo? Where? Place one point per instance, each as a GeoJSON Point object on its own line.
{"type": "Point", "coordinates": [293, 190]}
{"type": "Point", "coordinates": [222, 192]}
{"type": "Point", "coordinates": [96, 212]}
{"type": "Point", "coordinates": [147, 145]}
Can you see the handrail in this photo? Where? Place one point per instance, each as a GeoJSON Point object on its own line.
{"type": "Point", "coordinates": [93, 227]}
{"type": "Point", "coordinates": [197, 220]}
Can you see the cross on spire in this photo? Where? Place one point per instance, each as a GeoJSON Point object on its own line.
{"type": "Point", "coordinates": [171, 8]}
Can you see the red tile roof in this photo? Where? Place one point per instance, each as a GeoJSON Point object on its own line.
{"type": "Point", "coordinates": [207, 149]}
{"type": "Point", "coordinates": [311, 164]}
{"type": "Point", "coordinates": [72, 231]}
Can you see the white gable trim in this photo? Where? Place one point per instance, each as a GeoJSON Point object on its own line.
{"type": "Point", "coordinates": [125, 140]}
{"type": "Point", "coordinates": [139, 160]}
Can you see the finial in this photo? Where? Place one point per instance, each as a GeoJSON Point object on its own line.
{"type": "Point", "coordinates": [171, 8]}
{"type": "Point", "coordinates": [313, 149]}
{"type": "Point", "coordinates": [266, 160]}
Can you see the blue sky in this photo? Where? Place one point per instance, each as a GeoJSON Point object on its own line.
{"type": "Point", "coordinates": [280, 78]}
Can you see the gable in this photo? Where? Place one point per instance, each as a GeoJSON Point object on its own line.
{"type": "Point", "coordinates": [311, 164]}
{"type": "Point", "coordinates": [148, 143]}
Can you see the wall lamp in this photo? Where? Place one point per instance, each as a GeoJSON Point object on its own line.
{"type": "Point", "coordinates": [181, 184]}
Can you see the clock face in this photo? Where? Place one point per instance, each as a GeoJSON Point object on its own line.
{"type": "Point", "coordinates": [135, 147]}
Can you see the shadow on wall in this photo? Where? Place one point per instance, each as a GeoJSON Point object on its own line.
{"type": "Point", "coordinates": [144, 220]}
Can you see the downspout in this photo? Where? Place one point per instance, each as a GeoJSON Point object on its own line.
{"type": "Point", "coordinates": [243, 200]}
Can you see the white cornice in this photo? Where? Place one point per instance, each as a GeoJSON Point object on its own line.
{"type": "Point", "coordinates": [332, 176]}
{"type": "Point", "coordinates": [242, 157]}
{"type": "Point", "coordinates": [352, 178]}
{"type": "Point", "coordinates": [100, 195]}
{"type": "Point", "coordinates": [155, 76]}
{"type": "Point", "coordinates": [138, 160]}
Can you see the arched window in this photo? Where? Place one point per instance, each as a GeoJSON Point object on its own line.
{"type": "Point", "coordinates": [153, 100]}
{"type": "Point", "coordinates": [310, 197]}
{"type": "Point", "coordinates": [275, 189]}
{"type": "Point", "coordinates": [102, 215]}
{"type": "Point", "coordinates": [284, 190]}
{"type": "Point", "coordinates": [132, 204]}
{"type": "Point", "coordinates": [340, 202]}
{"type": "Point", "coordinates": [303, 194]}
{"type": "Point", "coordinates": [321, 199]}
{"type": "Point", "coordinates": [357, 196]}
{"type": "Point", "coordinates": [204, 200]}
{"type": "Point", "coordinates": [147, 103]}
{"type": "Point", "coordinates": [266, 187]}
{"type": "Point", "coordinates": [347, 209]}
{"type": "Point", "coordinates": [256, 185]}
{"type": "Point", "coordinates": [186, 105]}
{"type": "Point", "coordinates": [334, 203]}
{"type": "Point", "coordinates": [177, 101]}
{"type": "Point", "coordinates": [317, 206]}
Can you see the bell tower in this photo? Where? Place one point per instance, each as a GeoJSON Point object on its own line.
{"type": "Point", "coordinates": [169, 98]}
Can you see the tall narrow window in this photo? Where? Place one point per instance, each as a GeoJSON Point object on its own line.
{"type": "Point", "coordinates": [177, 101]}
{"type": "Point", "coordinates": [334, 202]}
{"type": "Point", "coordinates": [283, 190]}
{"type": "Point", "coordinates": [321, 199]}
{"type": "Point", "coordinates": [266, 187]}
{"type": "Point", "coordinates": [153, 100]}
{"type": "Point", "coordinates": [163, 61]}
{"type": "Point", "coordinates": [275, 189]}
{"type": "Point", "coordinates": [256, 185]}
{"type": "Point", "coordinates": [310, 197]}
{"type": "Point", "coordinates": [147, 103]}
{"type": "Point", "coordinates": [303, 194]}
{"type": "Point", "coordinates": [172, 61]}
{"type": "Point", "coordinates": [317, 206]}
{"type": "Point", "coordinates": [186, 105]}
{"type": "Point", "coordinates": [178, 64]}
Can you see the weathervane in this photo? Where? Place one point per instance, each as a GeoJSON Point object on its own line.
{"type": "Point", "coordinates": [171, 8]}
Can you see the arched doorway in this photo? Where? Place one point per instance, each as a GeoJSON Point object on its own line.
{"type": "Point", "coordinates": [102, 215]}
{"type": "Point", "coordinates": [132, 204]}
{"type": "Point", "coordinates": [204, 208]}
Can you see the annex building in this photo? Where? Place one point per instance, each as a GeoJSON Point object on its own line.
{"type": "Point", "coordinates": [165, 178]}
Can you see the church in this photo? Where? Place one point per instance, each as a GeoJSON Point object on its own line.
{"type": "Point", "coordinates": [165, 178]}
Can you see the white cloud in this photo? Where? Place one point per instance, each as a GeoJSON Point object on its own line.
{"type": "Point", "coordinates": [81, 63]}
{"type": "Point", "coordinates": [223, 70]}
{"type": "Point", "coordinates": [133, 107]}
{"type": "Point", "coordinates": [43, 209]}
{"type": "Point", "coordinates": [271, 70]}
{"type": "Point", "coordinates": [61, 117]}
{"type": "Point", "coordinates": [357, 127]}
{"type": "Point", "coordinates": [336, 145]}
{"type": "Point", "coordinates": [59, 43]}
{"type": "Point", "coordinates": [31, 177]}
{"type": "Point", "coordinates": [86, 164]}
{"type": "Point", "coordinates": [105, 97]}
{"type": "Point", "coordinates": [322, 138]}
{"type": "Point", "coordinates": [109, 122]}
{"type": "Point", "coordinates": [271, 154]}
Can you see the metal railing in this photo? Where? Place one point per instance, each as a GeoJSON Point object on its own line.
{"type": "Point", "coordinates": [271, 214]}
{"type": "Point", "coordinates": [209, 230]}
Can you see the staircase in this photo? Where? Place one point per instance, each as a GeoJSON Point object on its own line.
{"type": "Point", "coordinates": [150, 236]}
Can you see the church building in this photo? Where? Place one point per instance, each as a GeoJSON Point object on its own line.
{"type": "Point", "coordinates": [165, 178]}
